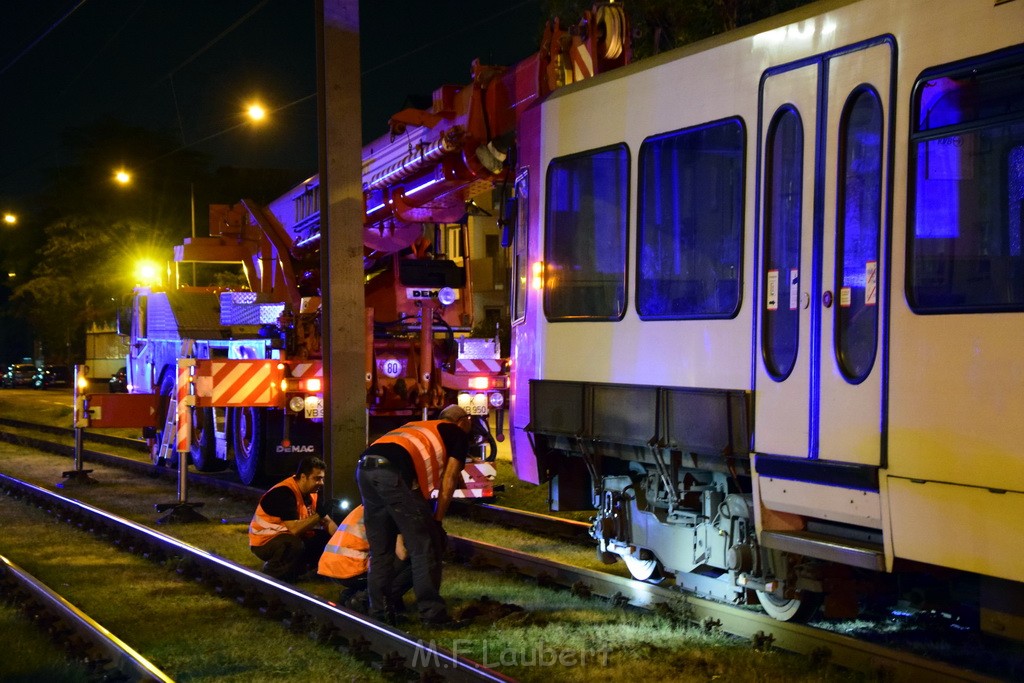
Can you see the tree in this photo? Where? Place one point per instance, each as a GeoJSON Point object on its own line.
{"type": "Point", "coordinates": [660, 25]}
{"type": "Point", "coordinates": [86, 268]}
{"type": "Point", "coordinates": [88, 232]}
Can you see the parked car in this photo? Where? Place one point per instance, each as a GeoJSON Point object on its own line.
{"type": "Point", "coordinates": [119, 382]}
{"type": "Point", "coordinates": [52, 376]}
{"type": "Point", "coordinates": [19, 375]}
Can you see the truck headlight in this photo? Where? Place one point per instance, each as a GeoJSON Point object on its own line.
{"type": "Point", "coordinates": [496, 399]}
{"type": "Point", "coordinates": [296, 404]}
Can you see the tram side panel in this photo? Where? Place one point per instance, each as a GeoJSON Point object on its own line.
{"type": "Point", "coordinates": [955, 471]}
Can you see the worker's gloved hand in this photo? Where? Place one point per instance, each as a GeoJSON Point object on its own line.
{"type": "Point", "coordinates": [323, 506]}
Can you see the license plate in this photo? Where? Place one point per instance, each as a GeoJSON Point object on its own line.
{"type": "Point", "coordinates": [314, 407]}
{"type": "Point", "coordinates": [477, 410]}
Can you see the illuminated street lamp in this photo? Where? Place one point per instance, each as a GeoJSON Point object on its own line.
{"type": "Point", "coordinates": [10, 218]}
{"type": "Point", "coordinates": [122, 176]}
{"type": "Point", "coordinates": [256, 112]}
{"type": "Point", "coordinates": [147, 273]}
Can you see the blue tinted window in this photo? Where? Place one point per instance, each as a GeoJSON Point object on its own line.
{"type": "Point", "coordinates": [520, 266]}
{"type": "Point", "coordinates": [782, 230]}
{"type": "Point", "coordinates": [585, 235]}
{"type": "Point", "coordinates": [690, 222]}
{"type": "Point", "coordinates": [967, 192]}
{"type": "Point", "coordinates": [859, 229]}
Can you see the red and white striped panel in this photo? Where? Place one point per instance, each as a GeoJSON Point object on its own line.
{"type": "Point", "coordinates": [249, 383]}
{"type": "Point", "coordinates": [477, 481]}
{"type": "Point", "coordinates": [183, 432]}
{"type": "Point", "coordinates": [484, 365]}
{"type": "Point", "coordinates": [305, 369]}
{"type": "Point", "coordinates": [582, 63]}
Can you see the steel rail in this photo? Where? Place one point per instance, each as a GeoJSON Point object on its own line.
{"type": "Point", "coordinates": [844, 651]}
{"type": "Point", "coordinates": [97, 437]}
{"type": "Point", "coordinates": [551, 527]}
{"type": "Point", "coordinates": [107, 652]}
{"type": "Point", "coordinates": [361, 635]}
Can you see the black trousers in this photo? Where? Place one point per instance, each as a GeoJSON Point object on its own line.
{"type": "Point", "coordinates": [287, 556]}
{"type": "Point", "coordinates": [393, 596]}
{"type": "Point", "coordinates": [390, 508]}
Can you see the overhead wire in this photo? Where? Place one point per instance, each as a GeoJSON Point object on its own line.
{"type": "Point", "coordinates": [39, 38]}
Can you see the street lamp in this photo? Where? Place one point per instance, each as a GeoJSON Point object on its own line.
{"type": "Point", "coordinates": [122, 177]}
{"type": "Point", "coordinates": [10, 218]}
{"type": "Point", "coordinates": [256, 112]}
{"type": "Point", "coordinates": [147, 273]}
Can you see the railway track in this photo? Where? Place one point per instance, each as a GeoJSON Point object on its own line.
{"type": "Point", "coordinates": [843, 651]}
{"type": "Point", "coordinates": [103, 654]}
{"type": "Point", "coordinates": [395, 650]}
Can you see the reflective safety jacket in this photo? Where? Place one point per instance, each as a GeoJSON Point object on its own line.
{"type": "Point", "coordinates": [423, 443]}
{"type": "Point", "coordinates": [264, 527]}
{"type": "Point", "coordinates": [348, 552]}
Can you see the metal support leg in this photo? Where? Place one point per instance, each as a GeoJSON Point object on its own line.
{"type": "Point", "coordinates": [80, 419]}
{"type": "Point", "coordinates": [181, 511]}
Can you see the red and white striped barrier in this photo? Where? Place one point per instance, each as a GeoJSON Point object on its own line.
{"type": "Point", "coordinates": [183, 431]}
{"type": "Point", "coordinates": [239, 383]}
{"type": "Point", "coordinates": [480, 365]}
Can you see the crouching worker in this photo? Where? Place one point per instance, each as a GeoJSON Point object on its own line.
{"type": "Point", "coordinates": [347, 558]}
{"type": "Point", "coordinates": [291, 525]}
{"type": "Point", "coordinates": [396, 476]}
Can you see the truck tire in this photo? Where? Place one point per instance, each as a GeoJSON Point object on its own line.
{"type": "Point", "coordinates": [481, 441]}
{"type": "Point", "coordinates": [204, 442]}
{"type": "Point", "coordinates": [248, 441]}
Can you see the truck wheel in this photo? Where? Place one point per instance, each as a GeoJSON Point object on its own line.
{"type": "Point", "coordinates": [481, 442]}
{"type": "Point", "coordinates": [248, 443]}
{"type": "Point", "coordinates": [204, 442]}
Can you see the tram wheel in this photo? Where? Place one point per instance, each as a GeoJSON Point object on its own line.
{"type": "Point", "coordinates": [648, 571]}
{"type": "Point", "coordinates": [790, 609]}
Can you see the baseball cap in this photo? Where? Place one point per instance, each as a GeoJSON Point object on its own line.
{"type": "Point", "coordinates": [452, 413]}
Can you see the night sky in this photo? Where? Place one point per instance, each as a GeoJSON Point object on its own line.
{"type": "Point", "coordinates": [188, 67]}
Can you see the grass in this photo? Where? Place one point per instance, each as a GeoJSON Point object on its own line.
{"type": "Point", "coordinates": [45, 407]}
{"type": "Point", "coordinates": [34, 656]}
{"type": "Point", "coordinates": [180, 626]}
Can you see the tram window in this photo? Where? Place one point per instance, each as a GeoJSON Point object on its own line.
{"type": "Point", "coordinates": [585, 235]}
{"type": "Point", "coordinates": [520, 265]}
{"type": "Point", "coordinates": [859, 229]}
{"type": "Point", "coordinates": [966, 199]}
{"type": "Point", "coordinates": [690, 222]}
{"type": "Point", "coordinates": [783, 220]}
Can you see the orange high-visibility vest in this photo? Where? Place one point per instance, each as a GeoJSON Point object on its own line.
{"type": "Point", "coordinates": [426, 448]}
{"type": "Point", "coordinates": [264, 527]}
{"type": "Point", "coordinates": [348, 552]}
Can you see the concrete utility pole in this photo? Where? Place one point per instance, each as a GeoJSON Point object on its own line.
{"type": "Point", "coordinates": [341, 242]}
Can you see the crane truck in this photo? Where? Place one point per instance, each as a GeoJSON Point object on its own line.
{"type": "Point", "coordinates": [256, 360]}
{"type": "Point", "coordinates": [255, 357]}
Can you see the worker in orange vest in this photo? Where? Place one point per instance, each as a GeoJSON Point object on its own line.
{"type": "Point", "coordinates": [397, 475]}
{"type": "Point", "coordinates": [346, 559]}
{"type": "Point", "coordinates": [291, 526]}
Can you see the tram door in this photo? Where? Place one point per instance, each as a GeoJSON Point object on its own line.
{"type": "Point", "coordinates": [824, 156]}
